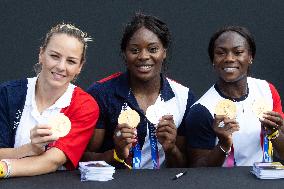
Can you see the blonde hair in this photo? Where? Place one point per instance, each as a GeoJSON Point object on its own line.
{"type": "Point", "coordinates": [70, 30]}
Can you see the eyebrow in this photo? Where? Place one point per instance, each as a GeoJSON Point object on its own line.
{"type": "Point", "coordinates": [152, 43]}
{"type": "Point", "coordinates": [74, 58]}
{"type": "Point", "coordinates": [221, 47]}
{"type": "Point", "coordinates": [70, 57]}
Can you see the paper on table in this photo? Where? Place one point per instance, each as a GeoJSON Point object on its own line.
{"type": "Point", "coordinates": [268, 170]}
{"type": "Point", "coordinates": [96, 171]}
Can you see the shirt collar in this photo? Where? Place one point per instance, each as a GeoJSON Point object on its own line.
{"type": "Point", "coordinates": [31, 90]}
{"type": "Point", "coordinates": [166, 90]}
{"type": "Point", "coordinates": [66, 98]}
{"type": "Point", "coordinates": [62, 102]}
{"type": "Point", "coordinates": [123, 88]}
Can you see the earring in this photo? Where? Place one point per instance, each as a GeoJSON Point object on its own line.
{"type": "Point", "coordinates": [37, 68]}
{"type": "Point", "coordinates": [250, 62]}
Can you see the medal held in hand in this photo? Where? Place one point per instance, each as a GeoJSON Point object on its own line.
{"type": "Point", "coordinates": [226, 107]}
{"type": "Point", "coordinates": [152, 114]}
{"type": "Point", "coordinates": [260, 106]}
{"type": "Point", "coordinates": [60, 125]}
{"type": "Point", "coordinates": [130, 117]}
{"type": "Point", "coordinates": [156, 111]}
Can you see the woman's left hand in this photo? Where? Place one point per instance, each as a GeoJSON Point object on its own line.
{"type": "Point", "coordinates": [166, 133]}
{"type": "Point", "coordinates": [272, 121]}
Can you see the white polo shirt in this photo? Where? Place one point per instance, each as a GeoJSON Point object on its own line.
{"type": "Point", "coordinates": [32, 117]}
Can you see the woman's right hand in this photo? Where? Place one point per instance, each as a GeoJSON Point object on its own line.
{"type": "Point", "coordinates": [123, 137]}
{"type": "Point", "coordinates": [40, 136]}
{"type": "Point", "coordinates": [224, 128]}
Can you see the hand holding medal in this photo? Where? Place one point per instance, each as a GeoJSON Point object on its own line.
{"type": "Point", "coordinates": [57, 126]}
{"type": "Point", "coordinates": [227, 108]}
{"type": "Point", "coordinates": [155, 112]}
{"type": "Point", "coordinates": [260, 106]}
{"type": "Point", "coordinates": [129, 117]}
{"type": "Point", "coordinates": [60, 125]}
{"type": "Point", "coordinates": [166, 131]}
{"type": "Point", "coordinates": [271, 121]}
{"type": "Point", "coordinates": [125, 133]}
{"type": "Point", "coordinates": [225, 123]}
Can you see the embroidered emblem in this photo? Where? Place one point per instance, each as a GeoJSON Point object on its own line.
{"type": "Point", "coordinates": [17, 121]}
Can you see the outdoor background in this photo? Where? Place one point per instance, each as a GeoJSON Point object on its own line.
{"type": "Point", "coordinates": [23, 25]}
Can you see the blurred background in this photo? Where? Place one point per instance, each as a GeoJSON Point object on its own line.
{"type": "Point", "coordinates": [23, 25]}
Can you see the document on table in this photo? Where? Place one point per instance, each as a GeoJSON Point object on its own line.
{"type": "Point", "coordinates": [268, 170]}
{"type": "Point", "coordinates": [96, 171]}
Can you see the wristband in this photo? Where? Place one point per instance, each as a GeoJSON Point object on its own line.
{"type": "Point", "coordinates": [8, 163]}
{"type": "Point", "coordinates": [273, 135]}
{"type": "Point", "coordinates": [120, 160]}
{"type": "Point", "coordinates": [227, 153]}
{"type": "Point", "coordinates": [2, 173]}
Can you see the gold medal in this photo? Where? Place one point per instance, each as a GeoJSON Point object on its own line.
{"type": "Point", "coordinates": [60, 125]}
{"type": "Point", "coordinates": [259, 106]}
{"type": "Point", "coordinates": [130, 117]}
{"type": "Point", "coordinates": [226, 107]}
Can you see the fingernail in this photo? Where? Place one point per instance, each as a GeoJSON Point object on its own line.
{"type": "Point", "coordinates": [261, 119]}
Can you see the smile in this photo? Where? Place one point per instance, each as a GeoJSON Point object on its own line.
{"type": "Point", "coordinates": [144, 68]}
{"type": "Point", "coordinates": [57, 75]}
{"type": "Point", "coordinates": [230, 69]}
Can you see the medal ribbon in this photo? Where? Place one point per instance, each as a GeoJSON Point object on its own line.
{"type": "Point", "coordinates": [136, 159]}
{"type": "Point", "coordinates": [267, 148]}
{"type": "Point", "coordinates": [136, 150]}
{"type": "Point", "coordinates": [154, 146]}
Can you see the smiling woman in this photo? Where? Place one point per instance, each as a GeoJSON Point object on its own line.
{"type": "Point", "coordinates": [28, 145]}
{"type": "Point", "coordinates": [242, 139]}
{"type": "Point", "coordinates": [61, 61]}
{"type": "Point", "coordinates": [145, 54]}
{"type": "Point", "coordinates": [161, 103]}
